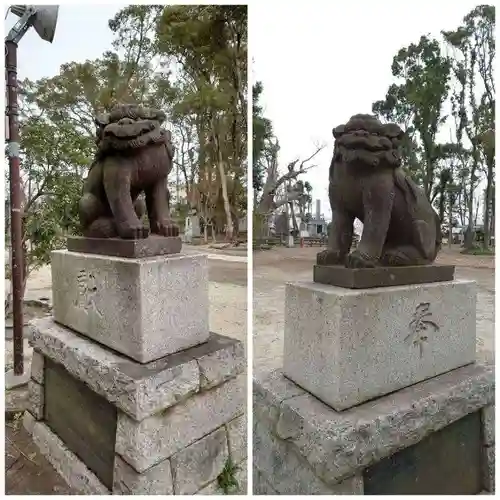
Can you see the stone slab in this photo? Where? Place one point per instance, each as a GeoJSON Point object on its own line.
{"type": "Point", "coordinates": [488, 461]}
{"type": "Point", "coordinates": [82, 419]}
{"type": "Point", "coordinates": [200, 463]}
{"type": "Point", "coordinates": [36, 397]}
{"type": "Point", "coordinates": [288, 472]}
{"type": "Point", "coordinates": [66, 463]}
{"type": "Point", "coordinates": [488, 422]}
{"type": "Point", "coordinates": [132, 249]}
{"type": "Point", "coordinates": [261, 485]}
{"type": "Point", "coordinates": [16, 401]}
{"type": "Point", "coordinates": [381, 276]}
{"type": "Point", "coordinates": [13, 381]}
{"type": "Point", "coordinates": [140, 390]}
{"type": "Point", "coordinates": [37, 364]}
{"type": "Point", "coordinates": [143, 308]}
{"type": "Point", "coordinates": [338, 445]}
{"type": "Point", "coordinates": [447, 462]}
{"type": "Point", "coordinates": [349, 346]}
{"type": "Point", "coordinates": [29, 422]}
{"type": "Point", "coordinates": [237, 437]}
{"type": "Point", "coordinates": [146, 443]}
{"type": "Point", "coordinates": [241, 477]}
{"type": "Point", "coordinates": [155, 481]}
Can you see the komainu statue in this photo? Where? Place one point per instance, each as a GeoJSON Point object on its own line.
{"type": "Point", "coordinates": [134, 156]}
{"type": "Point", "coordinates": [366, 181]}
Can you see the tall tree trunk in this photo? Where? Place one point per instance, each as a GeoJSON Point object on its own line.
{"type": "Point", "coordinates": [223, 182]}
{"type": "Point", "coordinates": [450, 219]}
{"type": "Point", "coordinates": [294, 218]}
{"type": "Point", "coordinates": [490, 160]}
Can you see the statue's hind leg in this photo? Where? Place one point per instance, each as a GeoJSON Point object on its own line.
{"type": "Point", "coordinates": [404, 255]}
{"type": "Point", "coordinates": [103, 227]}
{"type": "Point", "coordinates": [96, 222]}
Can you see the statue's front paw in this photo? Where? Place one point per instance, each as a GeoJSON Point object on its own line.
{"type": "Point", "coordinates": [357, 259]}
{"type": "Point", "coordinates": [165, 228]}
{"type": "Point", "coordinates": [133, 231]}
{"type": "Point", "coordinates": [330, 258]}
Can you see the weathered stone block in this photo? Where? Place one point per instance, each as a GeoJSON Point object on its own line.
{"type": "Point", "coordinates": [143, 308]}
{"type": "Point", "coordinates": [241, 477]}
{"type": "Point", "coordinates": [140, 390]}
{"type": "Point", "coordinates": [288, 473]}
{"type": "Point", "coordinates": [339, 445]}
{"type": "Point", "coordinates": [211, 489]}
{"type": "Point", "coordinates": [268, 394]}
{"type": "Point", "coordinates": [71, 469]}
{"type": "Point", "coordinates": [488, 460]}
{"type": "Point", "coordinates": [488, 421]}
{"type": "Point", "coordinates": [29, 422]}
{"type": "Point", "coordinates": [199, 463]}
{"type": "Point", "coordinates": [349, 346]}
{"type": "Point", "coordinates": [36, 399]}
{"type": "Point", "coordinates": [261, 485]}
{"type": "Point", "coordinates": [37, 367]}
{"type": "Point", "coordinates": [148, 442]}
{"type": "Point", "coordinates": [237, 434]}
{"type": "Point", "coordinates": [222, 364]}
{"type": "Point", "coordinates": [155, 481]}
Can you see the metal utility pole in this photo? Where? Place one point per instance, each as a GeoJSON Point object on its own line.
{"type": "Point", "coordinates": [15, 204]}
{"type": "Point", "coordinates": [43, 18]}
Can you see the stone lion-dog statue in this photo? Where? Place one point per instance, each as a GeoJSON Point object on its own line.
{"type": "Point", "coordinates": [366, 182]}
{"type": "Point", "coordinates": [134, 156]}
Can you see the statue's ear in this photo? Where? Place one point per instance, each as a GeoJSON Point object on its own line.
{"type": "Point", "coordinates": [161, 116]}
{"type": "Point", "coordinates": [338, 131]}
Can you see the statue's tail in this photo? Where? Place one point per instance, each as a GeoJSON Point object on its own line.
{"type": "Point", "coordinates": [412, 194]}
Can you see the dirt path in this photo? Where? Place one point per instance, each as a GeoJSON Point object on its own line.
{"type": "Point", "coordinates": [273, 268]}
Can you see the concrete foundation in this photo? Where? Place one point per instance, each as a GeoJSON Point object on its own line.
{"type": "Point", "coordinates": [435, 437]}
{"type": "Point", "coordinates": [111, 425]}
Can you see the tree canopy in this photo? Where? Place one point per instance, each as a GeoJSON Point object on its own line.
{"type": "Point", "coordinates": [190, 61]}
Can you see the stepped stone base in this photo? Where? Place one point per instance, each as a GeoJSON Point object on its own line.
{"type": "Point", "coordinates": [111, 425]}
{"type": "Point", "coordinates": [435, 437]}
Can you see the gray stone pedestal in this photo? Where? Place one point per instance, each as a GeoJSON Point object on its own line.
{"type": "Point", "coordinates": [435, 437]}
{"type": "Point", "coordinates": [379, 393]}
{"type": "Point", "coordinates": [130, 393]}
{"type": "Point", "coordinates": [145, 308]}
{"type": "Point", "coordinates": [348, 346]}
{"type": "Point", "coordinates": [111, 425]}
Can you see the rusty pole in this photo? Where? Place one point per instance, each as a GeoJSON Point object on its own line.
{"type": "Point", "coordinates": [15, 204]}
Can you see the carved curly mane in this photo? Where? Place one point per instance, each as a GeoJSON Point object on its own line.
{"type": "Point", "coordinates": [366, 140]}
{"type": "Point", "coordinates": [128, 127]}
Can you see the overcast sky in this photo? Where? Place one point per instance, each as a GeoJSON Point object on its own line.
{"type": "Point", "coordinates": [322, 62]}
{"type": "Point", "coordinates": [82, 33]}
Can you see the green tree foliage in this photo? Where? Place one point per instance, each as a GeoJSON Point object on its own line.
{"type": "Point", "coordinates": [417, 103]}
{"type": "Point", "coordinates": [445, 87]}
{"type": "Point", "coordinates": [188, 60]}
{"type": "Point", "coordinates": [262, 136]}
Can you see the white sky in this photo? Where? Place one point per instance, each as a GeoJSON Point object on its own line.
{"type": "Point", "coordinates": [322, 62]}
{"type": "Point", "coordinates": [81, 33]}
